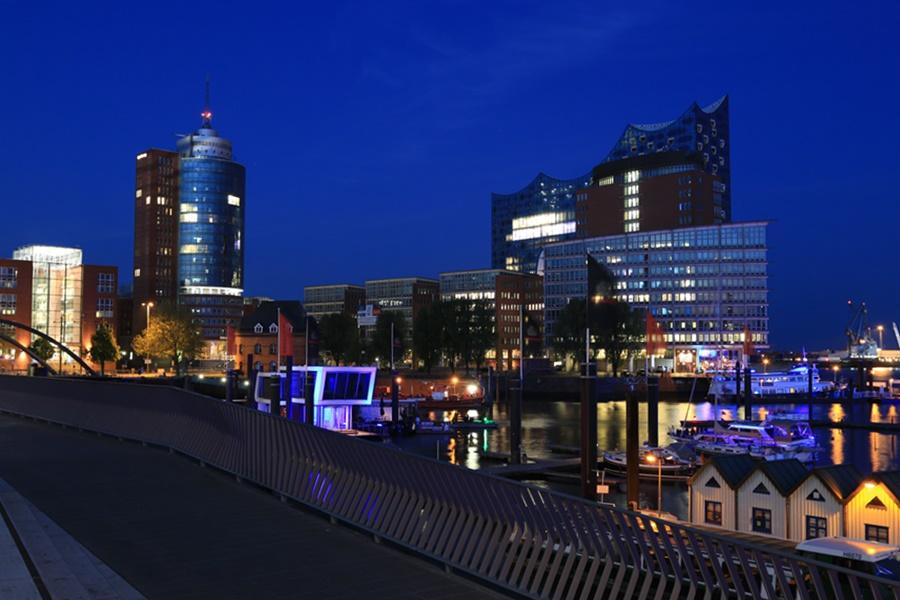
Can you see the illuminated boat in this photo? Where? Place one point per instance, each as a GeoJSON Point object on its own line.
{"type": "Point", "coordinates": [775, 383]}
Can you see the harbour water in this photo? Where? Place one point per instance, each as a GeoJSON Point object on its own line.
{"type": "Point", "coordinates": [545, 424]}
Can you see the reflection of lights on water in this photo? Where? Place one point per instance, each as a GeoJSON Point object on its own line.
{"type": "Point", "coordinates": [836, 413]}
{"type": "Point", "coordinates": [875, 414]}
{"type": "Point", "coordinates": [451, 450]}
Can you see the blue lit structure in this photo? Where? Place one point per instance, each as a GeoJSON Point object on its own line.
{"type": "Point", "coordinates": [704, 130]}
{"type": "Point", "coordinates": [543, 212]}
{"type": "Point", "coordinates": [523, 222]}
{"type": "Point", "coordinates": [210, 232]}
{"type": "Point", "coordinates": [336, 390]}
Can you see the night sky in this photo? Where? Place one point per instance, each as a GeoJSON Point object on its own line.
{"type": "Point", "coordinates": [374, 133]}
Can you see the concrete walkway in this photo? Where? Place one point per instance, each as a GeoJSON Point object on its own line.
{"type": "Point", "coordinates": [15, 579]}
{"type": "Point", "coordinates": [173, 529]}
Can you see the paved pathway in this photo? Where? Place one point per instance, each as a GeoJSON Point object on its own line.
{"type": "Point", "coordinates": [173, 529]}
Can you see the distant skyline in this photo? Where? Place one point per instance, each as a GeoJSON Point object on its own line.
{"type": "Point", "coordinates": [373, 136]}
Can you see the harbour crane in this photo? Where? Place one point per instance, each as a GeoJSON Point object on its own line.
{"type": "Point", "coordinates": [896, 333]}
{"type": "Point", "coordinates": [859, 334]}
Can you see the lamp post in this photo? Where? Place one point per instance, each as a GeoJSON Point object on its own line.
{"type": "Point", "coordinates": [148, 305]}
{"type": "Point", "coordinates": [880, 329]}
{"type": "Point", "coordinates": [653, 458]}
{"type": "Point", "coordinates": [765, 365]}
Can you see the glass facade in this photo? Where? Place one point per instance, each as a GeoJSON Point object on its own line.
{"type": "Point", "coordinates": [56, 292]}
{"type": "Point", "coordinates": [210, 230]}
{"type": "Point", "coordinates": [321, 300]}
{"type": "Point", "coordinates": [702, 284]}
{"type": "Point", "coordinates": [704, 130]}
{"type": "Point", "coordinates": [523, 222]}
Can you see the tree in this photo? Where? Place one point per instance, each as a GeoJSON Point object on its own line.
{"type": "Point", "coordinates": [618, 330]}
{"type": "Point", "coordinates": [427, 334]}
{"type": "Point", "coordinates": [171, 335]}
{"type": "Point", "coordinates": [103, 346]}
{"type": "Point", "coordinates": [339, 336]}
{"type": "Point", "coordinates": [568, 335]}
{"type": "Point", "coordinates": [456, 316]}
{"type": "Point", "coordinates": [42, 349]}
{"type": "Point", "coordinates": [482, 333]}
{"type": "Point", "coordinates": [381, 340]}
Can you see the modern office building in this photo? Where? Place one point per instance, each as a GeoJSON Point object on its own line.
{"type": "Point", "coordinates": [321, 300]}
{"type": "Point", "coordinates": [405, 295]}
{"type": "Point", "coordinates": [505, 294]}
{"type": "Point", "coordinates": [666, 190]}
{"type": "Point", "coordinates": [210, 233]}
{"type": "Point", "coordinates": [523, 222]}
{"type": "Point", "coordinates": [155, 233]}
{"type": "Point", "coordinates": [704, 285]}
{"type": "Point", "coordinates": [544, 211]}
{"type": "Point", "coordinates": [50, 289]}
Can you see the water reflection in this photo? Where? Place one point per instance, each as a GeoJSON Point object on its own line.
{"type": "Point", "coordinates": [549, 425]}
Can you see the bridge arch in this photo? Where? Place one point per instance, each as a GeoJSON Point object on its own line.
{"type": "Point", "coordinates": [52, 341]}
{"type": "Point", "coordinates": [28, 351]}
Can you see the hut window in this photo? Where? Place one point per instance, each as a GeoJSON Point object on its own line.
{"type": "Point", "coordinates": [713, 512]}
{"type": "Point", "coordinates": [258, 328]}
{"type": "Point", "coordinates": [876, 533]}
{"type": "Point", "coordinates": [273, 328]}
{"type": "Point", "coordinates": [817, 496]}
{"type": "Point", "coordinates": [816, 527]}
{"type": "Point", "coordinates": [876, 503]}
{"type": "Point", "coordinates": [712, 483]}
{"type": "Point", "coordinates": [761, 489]}
{"type": "Point", "coordinates": [762, 520]}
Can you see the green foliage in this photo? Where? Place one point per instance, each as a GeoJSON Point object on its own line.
{"type": "Point", "coordinates": [568, 336]}
{"type": "Point", "coordinates": [615, 328]}
{"type": "Point", "coordinates": [103, 346]}
{"type": "Point", "coordinates": [482, 333]}
{"type": "Point", "coordinates": [381, 340]}
{"type": "Point", "coordinates": [42, 348]}
{"type": "Point", "coordinates": [427, 332]}
{"type": "Point", "coordinates": [339, 336]}
{"type": "Point", "coordinates": [171, 335]}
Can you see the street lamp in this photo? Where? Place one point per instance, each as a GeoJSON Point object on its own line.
{"type": "Point", "coordinates": [453, 381]}
{"type": "Point", "coordinates": [880, 329]}
{"type": "Point", "coordinates": [149, 305]}
{"type": "Point", "coordinates": [653, 458]}
{"type": "Point", "coordinates": [835, 369]}
{"type": "Point", "coordinates": [765, 365]}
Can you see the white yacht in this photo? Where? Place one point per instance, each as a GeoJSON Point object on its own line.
{"type": "Point", "coordinates": [775, 383]}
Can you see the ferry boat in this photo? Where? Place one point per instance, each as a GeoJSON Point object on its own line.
{"type": "Point", "coordinates": [776, 383]}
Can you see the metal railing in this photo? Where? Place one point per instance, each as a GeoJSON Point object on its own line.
{"type": "Point", "coordinates": [528, 540]}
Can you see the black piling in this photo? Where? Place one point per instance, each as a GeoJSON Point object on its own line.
{"type": "Point", "coordinates": [514, 396]}
{"type": "Point", "coordinates": [653, 411]}
{"type": "Point", "coordinates": [588, 437]}
{"type": "Point", "coordinates": [748, 395]}
{"type": "Point", "coordinates": [632, 444]}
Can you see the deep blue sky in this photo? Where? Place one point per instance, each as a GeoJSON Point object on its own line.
{"type": "Point", "coordinates": [374, 133]}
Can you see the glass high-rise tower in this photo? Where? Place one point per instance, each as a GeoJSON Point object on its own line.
{"type": "Point", "coordinates": [210, 232]}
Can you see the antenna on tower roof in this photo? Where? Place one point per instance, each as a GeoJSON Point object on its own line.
{"type": "Point", "coordinates": [207, 111]}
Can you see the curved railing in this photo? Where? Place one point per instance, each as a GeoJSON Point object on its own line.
{"type": "Point", "coordinates": [528, 540]}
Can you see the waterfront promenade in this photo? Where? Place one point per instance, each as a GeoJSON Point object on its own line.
{"type": "Point", "coordinates": [195, 529]}
{"type": "Point", "coordinates": [174, 529]}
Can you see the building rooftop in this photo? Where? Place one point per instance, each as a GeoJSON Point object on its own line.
{"type": "Point", "coordinates": [842, 480]}
{"type": "Point", "coordinates": [733, 469]}
{"type": "Point", "coordinates": [266, 314]}
{"type": "Point", "coordinates": [785, 474]}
